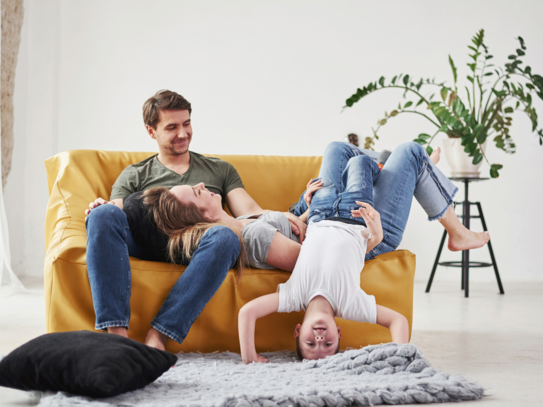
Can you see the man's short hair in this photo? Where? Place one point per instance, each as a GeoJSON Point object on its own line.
{"type": "Point", "coordinates": [299, 350]}
{"type": "Point", "coordinates": [163, 100]}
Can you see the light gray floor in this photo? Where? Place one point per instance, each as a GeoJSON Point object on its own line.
{"type": "Point", "coordinates": [494, 340]}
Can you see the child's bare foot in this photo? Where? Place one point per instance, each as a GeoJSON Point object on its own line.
{"type": "Point", "coordinates": [436, 155]}
{"type": "Point", "coordinates": [155, 339]}
{"type": "Point", "coordinates": [467, 240]}
{"type": "Point", "coordinates": [118, 330]}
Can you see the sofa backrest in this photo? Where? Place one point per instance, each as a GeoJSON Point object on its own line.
{"type": "Point", "coordinates": [77, 177]}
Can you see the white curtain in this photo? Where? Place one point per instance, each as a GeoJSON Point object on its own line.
{"type": "Point", "coordinates": [15, 284]}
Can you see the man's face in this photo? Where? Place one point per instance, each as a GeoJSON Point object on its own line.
{"type": "Point", "coordinates": [318, 339]}
{"type": "Point", "coordinates": [173, 132]}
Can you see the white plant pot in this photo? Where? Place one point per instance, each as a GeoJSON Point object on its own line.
{"type": "Point", "coordinates": [459, 161]}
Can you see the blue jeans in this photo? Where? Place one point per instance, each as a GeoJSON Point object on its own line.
{"type": "Point", "coordinates": [408, 172]}
{"type": "Point", "coordinates": [109, 243]}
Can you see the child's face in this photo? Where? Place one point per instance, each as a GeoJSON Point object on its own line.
{"type": "Point", "coordinates": [318, 338]}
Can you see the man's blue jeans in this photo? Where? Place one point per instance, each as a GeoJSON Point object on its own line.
{"type": "Point", "coordinates": [408, 172]}
{"type": "Point", "coordinates": [109, 243]}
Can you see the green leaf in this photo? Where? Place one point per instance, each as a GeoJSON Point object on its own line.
{"type": "Point", "coordinates": [489, 73]}
{"type": "Point", "coordinates": [406, 80]}
{"type": "Point", "coordinates": [420, 141]}
{"type": "Point", "coordinates": [472, 67]}
{"type": "Point", "coordinates": [424, 136]}
{"type": "Point", "coordinates": [470, 78]}
{"type": "Point", "coordinates": [383, 122]}
{"type": "Point", "coordinates": [512, 57]}
{"type": "Point", "coordinates": [494, 170]}
{"type": "Point", "coordinates": [393, 113]}
{"type": "Point", "coordinates": [451, 62]}
{"type": "Point", "coordinates": [508, 109]}
{"type": "Point", "coordinates": [477, 159]}
{"type": "Point", "coordinates": [407, 104]}
{"type": "Point", "coordinates": [489, 57]}
{"type": "Point", "coordinates": [382, 81]}
{"type": "Point", "coordinates": [528, 70]}
{"type": "Point", "coordinates": [419, 102]}
{"type": "Point", "coordinates": [444, 92]}
{"type": "Point", "coordinates": [481, 138]}
{"type": "Point", "coordinates": [393, 81]}
{"type": "Point", "coordinates": [520, 52]}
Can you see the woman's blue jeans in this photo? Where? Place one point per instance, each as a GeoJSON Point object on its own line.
{"type": "Point", "coordinates": [109, 245]}
{"type": "Point", "coordinates": [408, 172]}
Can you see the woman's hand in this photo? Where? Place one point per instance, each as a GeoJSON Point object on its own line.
{"type": "Point", "coordinates": [372, 219]}
{"type": "Point", "coordinates": [312, 187]}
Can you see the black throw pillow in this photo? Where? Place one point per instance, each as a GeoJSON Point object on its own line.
{"type": "Point", "coordinates": [85, 363]}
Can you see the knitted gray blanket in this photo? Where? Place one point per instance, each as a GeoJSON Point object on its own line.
{"type": "Point", "coordinates": [379, 374]}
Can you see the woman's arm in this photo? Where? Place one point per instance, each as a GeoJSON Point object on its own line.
{"type": "Point", "coordinates": [249, 313]}
{"type": "Point", "coordinates": [283, 252]}
{"type": "Point", "coordinates": [396, 322]}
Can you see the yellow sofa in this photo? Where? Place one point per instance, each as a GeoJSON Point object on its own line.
{"type": "Point", "coordinates": [77, 177]}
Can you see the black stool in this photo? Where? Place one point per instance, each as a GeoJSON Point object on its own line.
{"type": "Point", "coordinates": [465, 263]}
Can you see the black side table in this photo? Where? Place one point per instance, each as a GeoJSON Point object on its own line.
{"type": "Point", "coordinates": [465, 263]}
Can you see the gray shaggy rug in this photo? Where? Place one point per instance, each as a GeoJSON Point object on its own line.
{"type": "Point", "coordinates": [379, 374]}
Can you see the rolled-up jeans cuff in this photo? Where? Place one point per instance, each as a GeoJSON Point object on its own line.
{"type": "Point", "coordinates": [105, 325]}
{"type": "Point", "coordinates": [449, 203]}
{"type": "Point", "coordinates": [169, 334]}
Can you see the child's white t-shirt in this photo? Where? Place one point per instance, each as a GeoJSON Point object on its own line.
{"type": "Point", "coordinates": [329, 264]}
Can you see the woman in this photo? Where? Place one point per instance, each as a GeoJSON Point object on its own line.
{"type": "Point", "coordinates": [185, 212]}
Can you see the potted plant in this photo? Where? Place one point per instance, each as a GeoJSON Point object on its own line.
{"type": "Point", "coordinates": [492, 96]}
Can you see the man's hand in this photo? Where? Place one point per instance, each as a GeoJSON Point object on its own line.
{"type": "Point", "coordinates": [298, 227]}
{"type": "Point", "coordinates": [311, 188]}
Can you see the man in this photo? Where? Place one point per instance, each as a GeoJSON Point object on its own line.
{"type": "Point", "coordinates": [113, 236]}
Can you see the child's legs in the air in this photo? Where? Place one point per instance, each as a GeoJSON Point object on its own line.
{"type": "Point", "coordinates": [334, 162]}
{"type": "Point", "coordinates": [357, 178]}
{"type": "Point", "coordinates": [408, 172]}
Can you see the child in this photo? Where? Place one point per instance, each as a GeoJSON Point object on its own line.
{"type": "Point", "coordinates": [326, 279]}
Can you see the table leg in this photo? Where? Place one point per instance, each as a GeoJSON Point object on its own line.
{"type": "Point", "coordinates": [494, 263]}
{"type": "Point", "coordinates": [436, 262]}
{"type": "Point", "coordinates": [465, 253]}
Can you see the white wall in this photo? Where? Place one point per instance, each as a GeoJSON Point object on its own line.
{"type": "Point", "coordinates": [266, 77]}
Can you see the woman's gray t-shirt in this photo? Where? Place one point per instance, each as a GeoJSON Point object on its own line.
{"type": "Point", "coordinates": [258, 236]}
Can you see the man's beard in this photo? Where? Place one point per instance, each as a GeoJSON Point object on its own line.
{"type": "Point", "coordinates": [174, 151]}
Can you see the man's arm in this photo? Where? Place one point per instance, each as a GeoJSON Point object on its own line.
{"type": "Point", "coordinates": [396, 322]}
{"type": "Point", "coordinates": [249, 313]}
{"type": "Point", "coordinates": [241, 203]}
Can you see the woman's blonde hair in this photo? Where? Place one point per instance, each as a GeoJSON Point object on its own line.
{"type": "Point", "coordinates": [184, 224]}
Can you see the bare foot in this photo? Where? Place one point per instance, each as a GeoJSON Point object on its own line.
{"type": "Point", "coordinates": [436, 155]}
{"type": "Point", "coordinates": [155, 339]}
{"type": "Point", "coordinates": [467, 240]}
{"type": "Point", "coordinates": [118, 330]}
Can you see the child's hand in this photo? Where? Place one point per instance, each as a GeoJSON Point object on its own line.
{"type": "Point", "coordinates": [257, 359]}
{"type": "Point", "coordinates": [372, 219]}
{"type": "Point", "coordinates": [312, 186]}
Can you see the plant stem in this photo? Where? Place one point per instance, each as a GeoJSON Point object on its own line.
{"type": "Point", "coordinates": [422, 114]}
{"type": "Point", "coordinates": [495, 83]}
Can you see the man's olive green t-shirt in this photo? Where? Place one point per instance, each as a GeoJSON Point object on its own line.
{"type": "Point", "coordinates": [219, 176]}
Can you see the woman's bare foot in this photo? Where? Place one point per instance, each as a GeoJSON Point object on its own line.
{"type": "Point", "coordinates": [468, 240]}
{"type": "Point", "coordinates": [461, 238]}
{"type": "Point", "coordinates": [155, 339]}
{"type": "Point", "coordinates": [436, 155]}
{"type": "Point", "coordinates": [118, 330]}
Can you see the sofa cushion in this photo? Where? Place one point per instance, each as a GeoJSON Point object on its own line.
{"type": "Point", "coordinates": [85, 363]}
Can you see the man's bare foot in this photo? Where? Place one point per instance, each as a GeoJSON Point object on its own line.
{"type": "Point", "coordinates": [155, 339]}
{"type": "Point", "coordinates": [436, 155]}
{"type": "Point", "coordinates": [118, 330]}
{"type": "Point", "coordinates": [467, 240]}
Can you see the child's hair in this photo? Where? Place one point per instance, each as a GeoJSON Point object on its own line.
{"type": "Point", "coordinates": [184, 224]}
{"type": "Point", "coordinates": [299, 350]}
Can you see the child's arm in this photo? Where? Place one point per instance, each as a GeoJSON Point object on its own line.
{"type": "Point", "coordinates": [396, 322]}
{"type": "Point", "coordinates": [373, 222]}
{"type": "Point", "coordinates": [249, 313]}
